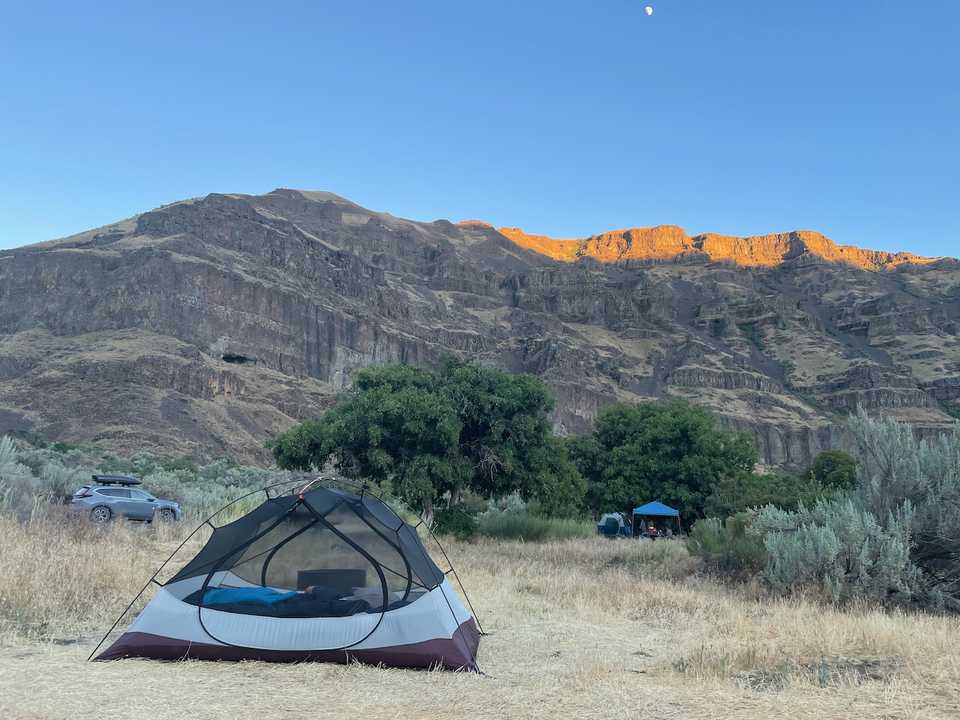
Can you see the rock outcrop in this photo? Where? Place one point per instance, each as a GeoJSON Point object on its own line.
{"type": "Point", "coordinates": [669, 243]}
{"type": "Point", "coordinates": [205, 326]}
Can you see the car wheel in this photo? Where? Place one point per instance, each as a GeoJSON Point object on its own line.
{"type": "Point", "coordinates": [167, 515]}
{"type": "Point", "coordinates": [101, 514]}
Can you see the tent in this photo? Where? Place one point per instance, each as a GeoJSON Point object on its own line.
{"type": "Point", "coordinates": [319, 575]}
{"type": "Point", "coordinates": [655, 509]}
{"type": "Point", "coordinates": [613, 525]}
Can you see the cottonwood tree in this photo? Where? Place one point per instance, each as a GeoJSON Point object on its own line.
{"type": "Point", "coordinates": [671, 451]}
{"type": "Point", "coordinates": [432, 433]}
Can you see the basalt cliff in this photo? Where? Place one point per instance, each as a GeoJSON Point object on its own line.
{"type": "Point", "coordinates": [203, 327]}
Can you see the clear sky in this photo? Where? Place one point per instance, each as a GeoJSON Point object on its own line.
{"type": "Point", "coordinates": [565, 118]}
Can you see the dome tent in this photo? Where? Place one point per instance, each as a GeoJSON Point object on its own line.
{"type": "Point", "coordinates": [320, 575]}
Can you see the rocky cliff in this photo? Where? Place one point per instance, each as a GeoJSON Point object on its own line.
{"type": "Point", "coordinates": [204, 326]}
{"type": "Point", "coordinates": [669, 243]}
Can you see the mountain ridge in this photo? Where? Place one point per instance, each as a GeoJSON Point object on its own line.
{"type": "Point", "coordinates": [204, 326]}
{"type": "Point", "coordinates": [671, 242]}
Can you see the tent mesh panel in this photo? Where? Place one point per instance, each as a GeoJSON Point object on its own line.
{"type": "Point", "coordinates": [329, 554]}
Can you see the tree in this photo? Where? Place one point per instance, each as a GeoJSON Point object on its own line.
{"type": "Point", "coordinates": [505, 424]}
{"type": "Point", "coordinates": [671, 451]}
{"type": "Point", "coordinates": [555, 481]}
{"type": "Point", "coordinates": [741, 491]}
{"type": "Point", "coordinates": [395, 427]}
{"type": "Point", "coordinates": [834, 470]}
{"type": "Point", "coordinates": [434, 433]}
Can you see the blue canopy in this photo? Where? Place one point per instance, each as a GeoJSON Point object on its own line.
{"type": "Point", "coordinates": [655, 509]}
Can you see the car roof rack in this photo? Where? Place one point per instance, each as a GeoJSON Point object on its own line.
{"type": "Point", "coordinates": [116, 480]}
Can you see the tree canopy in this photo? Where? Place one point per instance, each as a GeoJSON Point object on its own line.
{"type": "Point", "coordinates": [434, 432]}
{"type": "Point", "coordinates": [670, 451]}
{"type": "Point", "coordinates": [834, 470]}
{"type": "Point", "coordinates": [460, 427]}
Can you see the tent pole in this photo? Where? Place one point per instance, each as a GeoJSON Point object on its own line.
{"type": "Point", "coordinates": [179, 548]}
{"type": "Point", "coordinates": [432, 535]}
{"type": "Point", "coordinates": [459, 581]}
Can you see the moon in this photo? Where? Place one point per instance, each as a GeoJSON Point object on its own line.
{"type": "Point", "coordinates": [648, 10]}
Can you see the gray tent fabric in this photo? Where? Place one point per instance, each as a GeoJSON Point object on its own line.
{"type": "Point", "coordinates": [324, 575]}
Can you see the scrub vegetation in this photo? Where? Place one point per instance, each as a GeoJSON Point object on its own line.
{"type": "Point", "coordinates": [34, 473]}
{"type": "Point", "coordinates": [834, 590]}
{"type": "Point", "coordinates": [574, 625]}
{"type": "Point", "coordinates": [471, 447]}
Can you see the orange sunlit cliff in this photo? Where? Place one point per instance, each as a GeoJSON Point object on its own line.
{"type": "Point", "coordinates": [669, 242]}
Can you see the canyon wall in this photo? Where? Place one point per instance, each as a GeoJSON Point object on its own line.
{"type": "Point", "coordinates": [205, 326]}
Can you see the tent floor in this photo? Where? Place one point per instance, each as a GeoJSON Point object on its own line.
{"type": "Point", "coordinates": [455, 653]}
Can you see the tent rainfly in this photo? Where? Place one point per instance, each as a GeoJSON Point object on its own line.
{"type": "Point", "coordinates": [320, 575]}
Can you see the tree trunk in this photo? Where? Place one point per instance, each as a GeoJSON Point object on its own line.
{"type": "Point", "coordinates": [428, 511]}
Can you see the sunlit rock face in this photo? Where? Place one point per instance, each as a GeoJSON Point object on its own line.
{"type": "Point", "coordinates": [669, 243]}
{"type": "Point", "coordinates": [205, 326]}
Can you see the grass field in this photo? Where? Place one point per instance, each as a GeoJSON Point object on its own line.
{"type": "Point", "coordinates": [579, 629]}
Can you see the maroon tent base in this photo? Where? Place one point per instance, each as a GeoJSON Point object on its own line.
{"type": "Point", "coordinates": [455, 653]}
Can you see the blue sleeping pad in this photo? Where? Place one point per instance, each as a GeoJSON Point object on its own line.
{"type": "Point", "coordinates": [260, 595]}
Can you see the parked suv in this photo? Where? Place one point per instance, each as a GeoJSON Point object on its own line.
{"type": "Point", "coordinates": [116, 496]}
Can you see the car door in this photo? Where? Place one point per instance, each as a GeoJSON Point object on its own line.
{"type": "Point", "coordinates": [140, 505]}
{"type": "Point", "coordinates": [114, 498]}
{"type": "Point", "coordinates": [122, 504]}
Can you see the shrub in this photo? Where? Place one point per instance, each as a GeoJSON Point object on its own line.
{"type": "Point", "coordinates": [835, 470]}
{"type": "Point", "coordinates": [472, 503]}
{"type": "Point", "coordinates": [839, 550]}
{"type": "Point", "coordinates": [523, 526]}
{"type": "Point", "coordinates": [730, 546]}
{"type": "Point", "coordinates": [511, 518]}
{"type": "Point", "coordinates": [58, 482]}
{"type": "Point", "coordinates": [511, 503]}
{"type": "Point", "coordinates": [38, 475]}
{"type": "Point", "coordinates": [456, 521]}
{"type": "Point", "coordinates": [901, 476]}
{"type": "Point", "coordinates": [20, 489]}
{"type": "Point", "coordinates": [742, 491]}
{"type": "Point", "coordinates": [892, 535]}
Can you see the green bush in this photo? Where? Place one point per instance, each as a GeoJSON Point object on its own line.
{"type": "Point", "coordinates": [729, 546]}
{"type": "Point", "coordinates": [834, 470]}
{"type": "Point", "coordinates": [456, 521]}
{"type": "Point", "coordinates": [435, 433]}
{"type": "Point", "coordinates": [881, 525]}
{"type": "Point", "coordinates": [511, 518]}
{"type": "Point", "coordinates": [18, 486]}
{"type": "Point", "coordinates": [672, 451]}
{"type": "Point", "coordinates": [742, 491]}
{"type": "Point", "coordinates": [523, 526]}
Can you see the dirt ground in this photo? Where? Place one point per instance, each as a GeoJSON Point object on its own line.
{"type": "Point", "coordinates": [578, 629]}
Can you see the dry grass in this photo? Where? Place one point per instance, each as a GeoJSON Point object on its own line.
{"type": "Point", "coordinates": [61, 576]}
{"type": "Point", "coordinates": [579, 629]}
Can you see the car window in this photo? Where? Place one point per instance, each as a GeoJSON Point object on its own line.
{"type": "Point", "coordinates": [114, 492]}
{"type": "Point", "coordinates": [140, 495]}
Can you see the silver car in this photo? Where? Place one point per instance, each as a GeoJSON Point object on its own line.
{"type": "Point", "coordinates": [115, 496]}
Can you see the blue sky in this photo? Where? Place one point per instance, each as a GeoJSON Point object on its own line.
{"type": "Point", "coordinates": [565, 118]}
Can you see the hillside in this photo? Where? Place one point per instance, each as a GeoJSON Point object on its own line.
{"type": "Point", "coordinates": [204, 326]}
